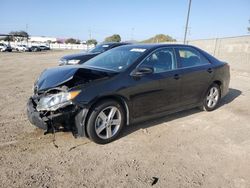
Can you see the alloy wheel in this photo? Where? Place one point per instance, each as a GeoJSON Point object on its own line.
{"type": "Point", "coordinates": [108, 122]}
{"type": "Point", "coordinates": [212, 97]}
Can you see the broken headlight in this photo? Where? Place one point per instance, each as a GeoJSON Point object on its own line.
{"type": "Point", "coordinates": [56, 101]}
{"type": "Point", "coordinates": [62, 62]}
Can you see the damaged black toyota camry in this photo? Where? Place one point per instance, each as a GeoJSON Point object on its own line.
{"type": "Point", "coordinates": [125, 85]}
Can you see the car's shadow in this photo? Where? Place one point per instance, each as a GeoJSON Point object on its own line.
{"type": "Point", "coordinates": [232, 94]}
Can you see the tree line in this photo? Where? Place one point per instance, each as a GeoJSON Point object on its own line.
{"type": "Point", "coordinates": [23, 35]}
{"type": "Point", "coordinates": [117, 38]}
{"type": "Point", "coordinates": [16, 36]}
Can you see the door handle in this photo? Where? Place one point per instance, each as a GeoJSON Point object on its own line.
{"type": "Point", "coordinates": [177, 76]}
{"type": "Point", "coordinates": [210, 70]}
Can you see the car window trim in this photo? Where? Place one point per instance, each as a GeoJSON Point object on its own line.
{"type": "Point", "coordinates": [193, 66]}
{"type": "Point", "coordinates": [151, 54]}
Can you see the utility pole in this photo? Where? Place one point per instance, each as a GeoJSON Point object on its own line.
{"type": "Point", "coordinates": [90, 34]}
{"type": "Point", "coordinates": [26, 27]}
{"type": "Point", "coordinates": [27, 33]}
{"type": "Point", "coordinates": [132, 33]}
{"type": "Point", "coordinates": [248, 27]}
{"type": "Point", "coordinates": [186, 27]}
{"type": "Point", "coordinates": [89, 39]}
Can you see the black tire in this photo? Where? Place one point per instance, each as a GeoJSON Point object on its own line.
{"type": "Point", "coordinates": [214, 105]}
{"type": "Point", "coordinates": [93, 118]}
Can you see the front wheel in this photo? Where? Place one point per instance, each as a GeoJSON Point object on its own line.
{"type": "Point", "coordinates": [212, 98]}
{"type": "Point", "coordinates": [105, 122]}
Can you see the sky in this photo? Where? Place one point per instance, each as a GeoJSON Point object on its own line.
{"type": "Point", "coordinates": [132, 19]}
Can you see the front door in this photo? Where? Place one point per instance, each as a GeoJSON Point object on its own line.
{"type": "Point", "coordinates": [160, 91]}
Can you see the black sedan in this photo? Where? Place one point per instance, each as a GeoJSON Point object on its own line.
{"type": "Point", "coordinates": [83, 57]}
{"type": "Point", "coordinates": [35, 49]}
{"type": "Point", "coordinates": [125, 85]}
{"type": "Point", "coordinates": [42, 47]}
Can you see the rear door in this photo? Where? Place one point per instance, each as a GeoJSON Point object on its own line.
{"type": "Point", "coordinates": [196, 74]}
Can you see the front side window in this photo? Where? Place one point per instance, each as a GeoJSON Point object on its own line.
{"type": "Point", "coordinates": [189, 57]}
{"type": "Point", "coordinates": [161, 60]}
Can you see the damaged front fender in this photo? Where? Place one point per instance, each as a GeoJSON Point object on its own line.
{"type": "Point", "coordinates": [80, 122]}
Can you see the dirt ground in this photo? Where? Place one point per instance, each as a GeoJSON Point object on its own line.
{"type": "Point", "coordinates": [188, 149]}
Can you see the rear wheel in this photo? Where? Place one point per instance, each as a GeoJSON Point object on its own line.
{"type": "Point", "coordinates": [212, 98]}
{"type": "Point", "coordinates": [105, 122]}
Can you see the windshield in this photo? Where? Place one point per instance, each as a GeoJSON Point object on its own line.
{"type": "Point", "coordinates": [117, 59]}
{"type": "Point", "coordinates": [100, 48]}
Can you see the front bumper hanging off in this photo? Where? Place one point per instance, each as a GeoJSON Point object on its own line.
{"type": "Point", "coordinates": [36, 117]}
{"type": "Point", "coordinates": [72, 117]}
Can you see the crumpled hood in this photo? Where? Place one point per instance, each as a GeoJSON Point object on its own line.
{"type": "Point", "coordinates": [54, 77]}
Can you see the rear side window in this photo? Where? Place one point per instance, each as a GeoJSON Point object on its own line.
{"type": "Point", "coordinates": [189, 57]}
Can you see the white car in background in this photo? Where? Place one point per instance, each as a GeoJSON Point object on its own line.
{"type": "Point", "coordinates": [5, 48]}
{"type": "Point", "coordinates": [23, 48]}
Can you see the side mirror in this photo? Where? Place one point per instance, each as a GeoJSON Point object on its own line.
{"type": "Point", "coordinates": [143, 71]}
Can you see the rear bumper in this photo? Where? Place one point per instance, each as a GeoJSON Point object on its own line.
{"type": "Point", "coordinates": [225, 89]}
{"type": "Point", "coordinates": [71, 117]}
{"type": "Point", "coordinates": [225, 84]}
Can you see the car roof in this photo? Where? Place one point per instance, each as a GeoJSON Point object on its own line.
{"type": "Point", "coordinates": [156, 45]}
{"type": "Point", "coordinates": [114, 43]}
